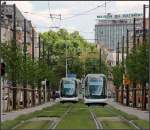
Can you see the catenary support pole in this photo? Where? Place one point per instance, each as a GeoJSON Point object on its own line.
{"type": "Point", "coordinates": [127, 51]}
{"type": "Point", "coordinates": [134, 47]}
{"type": "Point", "coordinates": [33, 44]}
{"type": "Point", "coordinates": [149, 65]}
{"type": "Point", "coordinates": [144, 11]}
{"type": "Point", "coordinates": [134, 34]}
{"type": "Point", "coordinates": [39, 48]}
{"type": "Point", "coordinates": [66, 60]}
{"type": "Point", "coordinates": [33, 89]}
{"type": "Point", "coordinates": [25, 51]}
{"type": "Point", "coordinates": [118, 52]}
{"type": "Point", "coordinates": [14, 54]}
{"type": "Point", "coordinates": [0, 63]}
{"type": "Point", "coordinates": [100, 60]}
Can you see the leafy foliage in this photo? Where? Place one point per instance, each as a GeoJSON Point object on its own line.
{"type": "Point", "coordinates": [82, 58]}
{"type": "Point", "coordinates": [117, 75]}
{"type": "Point", "coordinates": [137, 64]}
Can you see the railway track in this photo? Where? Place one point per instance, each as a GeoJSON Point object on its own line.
{"type": "Point", "coordinates": [55, 124]}
{"type": "Point", "coordinates": [124, 119]}
{"type": "Point", "coordinates": [97, 122]}
{"type": "Point", "coordinates": [52, 125]}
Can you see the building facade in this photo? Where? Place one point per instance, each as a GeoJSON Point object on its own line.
{"type": "Point", "coordinates": [110, 29]}
{"type": "Point", "coordinates": [7, 28]}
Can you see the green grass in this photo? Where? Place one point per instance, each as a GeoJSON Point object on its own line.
{"type": "Point", "coordinates": [78, 118]}
{"type": "Point", "coordinates": [55, 110]}
{"type": "Point", "coordinates": [117, 112]}
{"type": "Point", "coordinates": [12, 123]}
{"type": "Point", "coordinates": [109, 111]}
{"type": "Point", "coordinates": [50, 113]}
{"type": "Point", "coordinates": [116, 125]}
{"type": "Point", "coordinates": [44, 124]}
{"type": "Point", "coordinates": [142, 123]}
{"type": "Point", "coordinates": [102, 112]}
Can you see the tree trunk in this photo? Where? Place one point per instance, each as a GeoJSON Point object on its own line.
{"type": "Point", "coordinates": [48, 96]}
{"type": "Point", "coordinates": [33, 96]}
{"type": "Point", "coordinates": [25, 97]}
{"type": "Point", "coordinates": [116, 94]}
{"type": "Point", "coordinates": [122, 97]}
{"type": "Point", "coordinates": [39, 95]}
{"type": "Point", "coordinates": [127, 95]}
{"type": "Point", "coordinates": [39, 91]}
{"type": "Point", "coordinates": [134, 94]}
{"type": "Point", "coordinates": [143, 96]}
{"type": "Point", "coordinates": [14, 97]}
{"type": "Point", "coordinates": [44, 94]}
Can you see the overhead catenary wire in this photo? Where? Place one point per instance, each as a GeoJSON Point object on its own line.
{"type": "Point", "coordinates": [75, 15]}
{"type": "Point", "coordinates": [51, 15]}
{"type": "Point", "coordinates": [85, 12]}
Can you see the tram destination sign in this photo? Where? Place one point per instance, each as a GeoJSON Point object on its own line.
{"type": "Point", "coordinates": [120, 16]}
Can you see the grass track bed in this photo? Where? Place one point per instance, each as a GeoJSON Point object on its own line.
{"type": "Point", "coordinates": [52, 111]}
{"type": "Point", "coordinates": [116, 125]}
{"type": "Point", "coordinates": [141, 123]}
{"type": "Point", "coordinates": [102, 112]}
{"type": "Point", "coordinates": [35, 125]}
{"type": "Point", "coordinates": [121, 113]}
{"type": "Point", "coordinates": [78, 118]}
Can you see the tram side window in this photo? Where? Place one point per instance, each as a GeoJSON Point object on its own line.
{"type": "Point", "coordinates": [86, 87]}
{"type": "Point", "coordinates": [61, 87]}
{"type": "Point", "coordinates": [104, 88]}
{"type": "Point", "coordinates": [76, 87]}
{"type": "Point", "coordinates": [86, 82]}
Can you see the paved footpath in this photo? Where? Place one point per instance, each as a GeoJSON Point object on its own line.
{"type": "Point", "coordinates": [13, 114]}
{"type": "Point", "coordinates": [134, 111]}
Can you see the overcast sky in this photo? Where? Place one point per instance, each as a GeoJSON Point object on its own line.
{"type": "Point", "coordinates": [38, 13]}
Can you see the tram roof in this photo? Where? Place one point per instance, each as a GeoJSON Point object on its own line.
{"type": "Point", "coordinates": [66, 78]}
{"type": "Point", "coordinates": [95, 75]}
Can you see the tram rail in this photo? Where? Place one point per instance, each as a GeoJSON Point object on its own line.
{"type": "Point", "coordinates": [55, 124]}
{"type": "Point", "coordinates": [97, 122]}
{"type": "Point", "coordinates": [125, 119]}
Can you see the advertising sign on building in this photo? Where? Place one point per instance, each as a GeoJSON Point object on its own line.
{"type": "Point", "coordinates": [120, 16]}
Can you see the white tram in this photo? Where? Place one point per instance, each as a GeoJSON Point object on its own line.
{"type": "Point", "coordinates": [95, 89]}
{"type": "Point", "coordinates": [69, 90]}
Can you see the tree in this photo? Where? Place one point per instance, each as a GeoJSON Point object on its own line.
{"type": "Point", "coordinates": [137, 68]}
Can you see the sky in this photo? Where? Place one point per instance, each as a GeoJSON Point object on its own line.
{"type": "Point", "coordinates": [39, 13]}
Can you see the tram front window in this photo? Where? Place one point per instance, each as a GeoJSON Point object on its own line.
{"type": "Point", "coordinates": [68, 88]}
{"type": "Point", "coordinates": [96, 88]}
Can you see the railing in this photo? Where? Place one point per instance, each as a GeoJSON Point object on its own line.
{"type": "Point", "coordinates": [7, 97]}
{"type": "Point", "coordinates": [133, 97]}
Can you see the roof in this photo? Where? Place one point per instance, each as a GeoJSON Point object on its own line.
{"type": "Point", "coordinates": [66, 78]}
{"type": "Point", "coordinates": [95, 75]}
